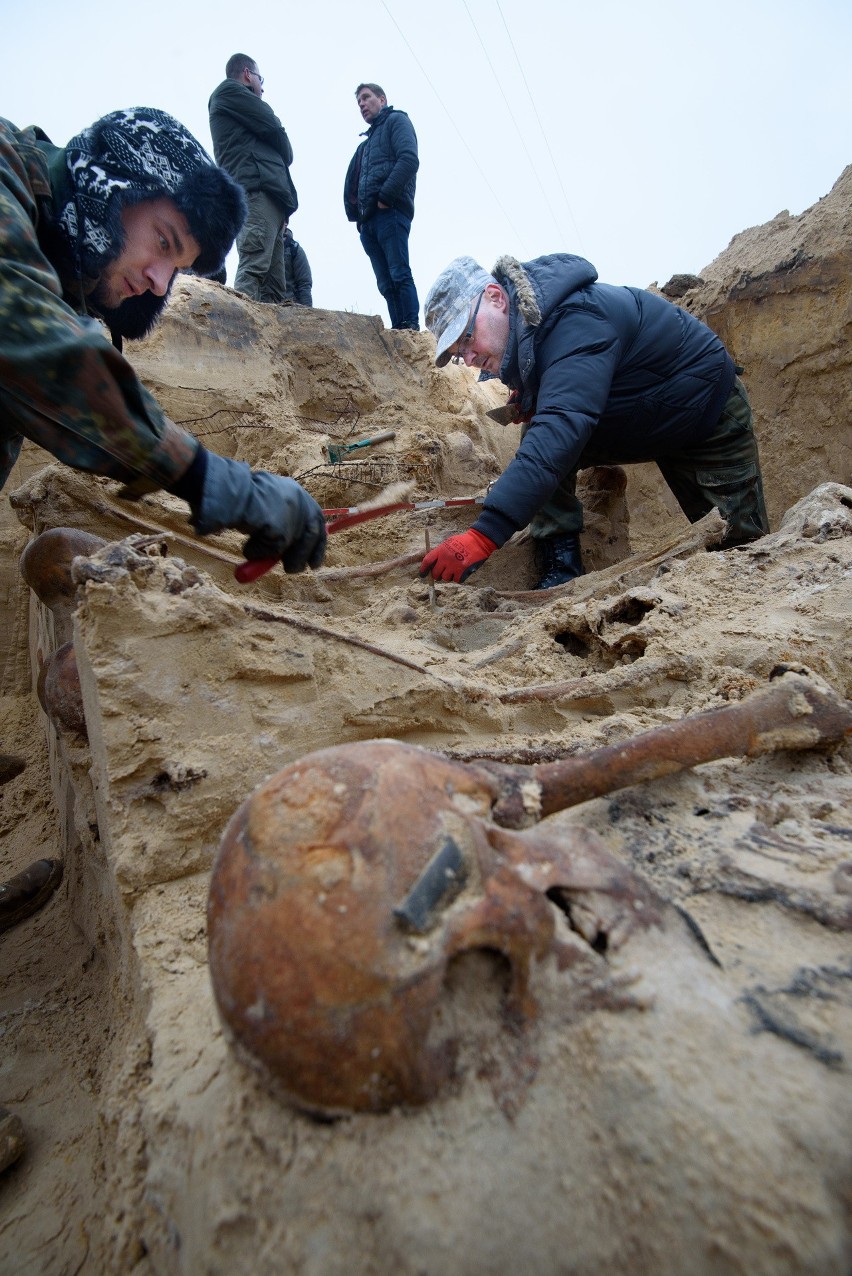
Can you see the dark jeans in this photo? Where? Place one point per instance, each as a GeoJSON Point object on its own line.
{"type": "Point", "coordinates": [722, 471]}
{"type": "Point", "coordinates": [385, 240]}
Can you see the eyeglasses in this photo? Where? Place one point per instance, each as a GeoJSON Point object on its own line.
{"type": "Point", "coordinates": [464, 340]}
{"type": "Point", "coordinates": [259, 76]}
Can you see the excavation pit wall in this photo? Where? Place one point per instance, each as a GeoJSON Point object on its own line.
{"type": "Point", "coordinates": [647, 1061]}
{"type": "Point", "coordinates": [682, 1103]}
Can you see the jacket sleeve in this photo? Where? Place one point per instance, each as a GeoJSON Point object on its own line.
{"type": "Point", "coordinates": [350, 185]}
{"type": "Point", "coordinates": [578, 359]}
{"type": "Point", "coordinates": [403, 146]}
{"type": "Point", "coordinates": [302, 278]}
{"type": "Point", "coordinates": [255, 115]}
{"type": "Point", "coordinates": [62, 384]}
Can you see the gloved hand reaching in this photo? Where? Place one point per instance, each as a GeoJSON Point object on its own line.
{"type": "Point", "coordinates": [458, 556]}
{"type": "Point", "coordinates": [280, 518]}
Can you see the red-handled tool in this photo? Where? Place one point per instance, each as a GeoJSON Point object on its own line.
{"type": "Point", "coordinates": [338, 519]}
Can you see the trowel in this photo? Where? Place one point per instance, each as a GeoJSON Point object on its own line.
{"type": "Point", "coordinates": [336, 452]}
{"type": "Point", "coordinates": [507, 414]}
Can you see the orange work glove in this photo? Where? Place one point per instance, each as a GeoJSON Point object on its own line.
{"type": "Point", "coordinates": [457, 556]}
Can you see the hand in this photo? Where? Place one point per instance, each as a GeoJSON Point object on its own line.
{"type": "Point", "coordinates": [280, 518]}
{"type": "Point", "coordinates": [458, 556]}
{"type": "Point", "coordinates": [514, 401]}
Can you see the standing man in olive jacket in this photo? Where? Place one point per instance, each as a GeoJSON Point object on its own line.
{"type": "Point", "coordinates": [250, 143]}
{"type": "Point", "coordinates": [379, 197]}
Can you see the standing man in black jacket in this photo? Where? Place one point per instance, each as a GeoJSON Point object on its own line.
{"type": "Point", "coordinates": [250, 143]}
{"type": "Point", "coordinates": [379, 197]}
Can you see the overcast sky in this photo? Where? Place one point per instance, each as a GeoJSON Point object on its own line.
{"type": "Point", "coordinates": [643, 136]}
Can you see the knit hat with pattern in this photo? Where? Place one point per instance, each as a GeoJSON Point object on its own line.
{"type": "Point", "coordinates": [137, 154]}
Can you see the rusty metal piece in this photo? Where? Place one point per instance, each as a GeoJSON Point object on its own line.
{"type": "Point", "coordinates": [506, 414]}
{"type": "Point", "coordinates": [796, 711]}
{"type": "Point", "coordinates": [59, 692]}
{"type": "Point", "coordinates": [440, 881]}
{"type": "Point", "coordinates": [46, 563]}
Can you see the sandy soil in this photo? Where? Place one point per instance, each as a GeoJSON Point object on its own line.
{"type": "Point", "coordinates": [679, 1102]}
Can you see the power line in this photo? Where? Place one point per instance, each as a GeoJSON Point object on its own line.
{"type": "Point", "coordinates": [540, 125]}
{"type": "Point", "coordinates": [523, 142]}
{"type": "Point", "coordinates": [449, 116]}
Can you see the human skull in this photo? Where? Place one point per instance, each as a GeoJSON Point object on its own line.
{"type": "Point", "coordinates": [344, 888]}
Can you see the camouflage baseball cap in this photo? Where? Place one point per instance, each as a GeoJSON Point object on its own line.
{"type": "Point", "coordinates": [448, 303]}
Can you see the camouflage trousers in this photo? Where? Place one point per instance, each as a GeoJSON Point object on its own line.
{"type": "Point", "coordinates": [721, 472]}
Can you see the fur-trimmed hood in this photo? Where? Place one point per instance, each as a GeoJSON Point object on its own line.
{"type": "Point", "coordinates": [536, 289]}
{"type": "Point", "coordinates": [539, 286]}
{"type": "Point", "coordinates": [511, 275]}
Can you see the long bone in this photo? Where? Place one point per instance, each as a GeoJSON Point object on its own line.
{"type": "Point", "coordinates": [796, 711]}
{"type": "Point", "coordinates": [347, 884]}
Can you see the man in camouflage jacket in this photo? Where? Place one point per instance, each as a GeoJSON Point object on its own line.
{"type": "Point", "coordinates": [100, 228]}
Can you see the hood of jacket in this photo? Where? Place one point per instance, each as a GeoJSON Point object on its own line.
{"type": "Point", "coordinates": [536, 289]}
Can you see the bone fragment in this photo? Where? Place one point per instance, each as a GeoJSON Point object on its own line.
{"type": "Point", "coordinates": [633, 571]}
{"type": "Point", "coordinates": [796, 711]}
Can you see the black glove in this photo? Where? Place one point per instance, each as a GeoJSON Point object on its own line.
{"type": "Point", "coordinates": [280, 518]}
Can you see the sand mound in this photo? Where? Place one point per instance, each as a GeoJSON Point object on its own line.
{"type": "Point", "coordinates": [682, 1101]}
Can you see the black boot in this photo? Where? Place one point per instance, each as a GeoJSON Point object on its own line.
{"type": "Point", "coordinates": [10, 766]}
{"type": "Point", "coordinates": [558, 559]}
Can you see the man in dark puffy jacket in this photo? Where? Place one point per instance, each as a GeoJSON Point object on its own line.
{"type": "Point", "coordinates": [378, 196]}
{"type": "Point", "coordinates": [600, 375]}
{"type": "Point", "coordinates": [250, 143]}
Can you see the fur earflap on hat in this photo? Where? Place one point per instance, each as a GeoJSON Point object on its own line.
{"type": "Point", "coordinates": [215, 207]}
{"type": "Point", "coordinates": [142, 153]}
